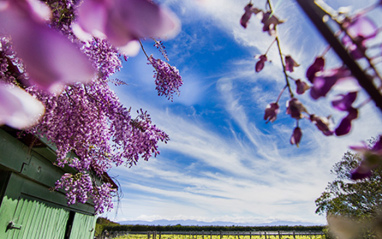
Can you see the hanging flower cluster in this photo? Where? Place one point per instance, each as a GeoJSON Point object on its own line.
{"type": "Point", "coordinates": [101, 198]}
{"type": "Point", "coordinates": [357, 34]}
{"type": "Point", "coordinates": [56, 60]}
{"type": "Point", "coordinates": [268, 19]}
{"type": "Point", "coordinates": [77, 187]}
{"type": "Point", "coordinates": [167, 78]}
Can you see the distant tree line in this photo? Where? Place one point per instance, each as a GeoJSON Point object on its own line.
{"type": "Point", "coordinates": [169, 228]}
{"type": "Point", "coordinates": [102, 223]}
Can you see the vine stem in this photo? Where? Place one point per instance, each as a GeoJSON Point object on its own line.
{"type": "Point", "coordinates": [326, 50]}
{"type": "Point", "coordinates": [143, 49]}
{"type": "Point", "coordinates": [280, 94]}
{"type": "Point", "coordinates": [364, 103]}
{"type": "Point", "coordinates": [270, 46]}
{"type": "Point", "coordinates": [281, 55]}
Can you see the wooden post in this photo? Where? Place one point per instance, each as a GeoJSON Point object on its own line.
{"type": "Point", "coordinates": [265, 234]}
{"type": "Point", "coordinates": [279, 234]}
{"type": "Point", "coordinates": [221, 235]}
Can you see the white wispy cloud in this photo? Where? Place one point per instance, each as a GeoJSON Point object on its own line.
{"type": "Point", "coordinates": [241, 170]}
{"type": "Point", "coordinates": [238, 179]}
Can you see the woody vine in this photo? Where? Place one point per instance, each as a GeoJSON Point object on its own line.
{"type": "Point", "coordinates": [358, 33]}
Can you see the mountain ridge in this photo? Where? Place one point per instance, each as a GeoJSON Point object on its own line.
{"type": "Point", "coordinates": [165, 222]}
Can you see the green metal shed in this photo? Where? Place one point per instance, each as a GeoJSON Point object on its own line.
{"type": "Point", "coordinates": [28, 208]}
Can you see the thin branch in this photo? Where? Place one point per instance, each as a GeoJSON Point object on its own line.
{"type": "Point", "coordinates": [280, 94]}
{"type": "Point", "coordinates": [143, 49]}
{"type": "Point", "coordinates": [270, 46]}
{"type": "Point", "coordinates": [281, 55]}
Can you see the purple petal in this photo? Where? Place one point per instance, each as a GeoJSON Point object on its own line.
{"type": "Point", "coordinates": [290, 63]}
{"type": "Point", "coordinates": [46, 54]}
{"type": "Point", "coordinates": [378, 146]}
{"type": "Point", "coordinates": [301, 87]}
{"type": "Point", "coordinates": [246, 16]}
{"type": "Point", "coordinates": [322, 86]}
{"type": "Point", "coordinates": [344, 103]}
{"type": "Point", "coordinates": [35, 9]}
{"type": "Point", "coordinates": [295, 108]}
{"type": "Point", "coordinates": [363, 148]}
{"type": "Point", "coordinates": [18, 109]}
{"type": "Point", "coordinates": [355, 51]}
{"type": "Point", "coordinates": [322, 124]}
{"type": "Point", "coordinates": [124, 20]}
{"type": "Point", "coordinates": [270, 22]}
{"type": "Point", "coordinates": [271, 112]}
{"type": "Point", "coordinates": [93, 15]}
{"type": "Point", "coordinates": [325, 81]}
{"type": "Point", "coordinates": [130, 49]}
{"type": "Point", "coordinates": [364, 170]}
{"type": "Point", "coordinates": [249, 10]}
{"type": "Point", "coordinates": [260, 64]}
{"type": "Point", "coordinates": [362, 28]}
{"type": "Point", "coordinates": [317, 66]}
{"type": "Point", "coordinates": [360, 173]}
{"type": "Point", "coordinates": [371, 159]}
{"type": "Point", "coordinates": [296, 136]}
{"type": "Point", "coordinates": [345, 125]}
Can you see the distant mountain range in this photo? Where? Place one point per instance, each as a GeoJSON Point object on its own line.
{"type": "Point", "coordinates": [215, 223]}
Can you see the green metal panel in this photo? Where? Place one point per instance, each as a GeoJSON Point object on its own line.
{"type": "Point", "coordinates": [34, 219]}
{"type": "Point", "coordinates": [9, 202]}
{"type": "Point", "coordinates": [58, 198]}
{"type": "Point", "coordinates": [38, 210]}
{"type": "Point", "coordinates": [28, 209]}
{"type": "Point", "coordinates": [41, 170]}
{"type": "Point", "coordinates": [4, 177]}
{"type": "Point", "coordinates": [13, 153]}
{"type": "Point", "coordinates": [35, 168]}
{"type": "Point", "coordinates": [83, 226]}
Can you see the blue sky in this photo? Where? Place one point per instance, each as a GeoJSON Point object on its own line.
{"type": "Point", "coordinates": [223, 162]}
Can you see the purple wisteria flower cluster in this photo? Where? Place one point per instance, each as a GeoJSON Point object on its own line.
{"type": "Point", "coordinates": [76, 185]}
{"type": "Point", "coordinates": [80, 187]}
{"type": "Point", "coordinates": [56, 60]}
{"type": "Point", "coordinates": [167, 78]}
{"type": "Point", "coordinates": [359, 35]}
{"type": "Point", "coordinates": [102, 199]}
